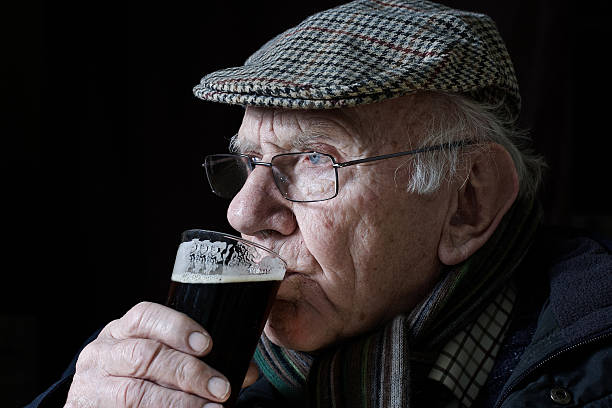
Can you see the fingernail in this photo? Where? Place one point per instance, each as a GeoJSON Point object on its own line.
{"type": "Point", "coordinates": [218, 387]}
{"type": "Point", "coordinates": [212, 405]}
{"type": "Point", "coordinates": [198, 342]}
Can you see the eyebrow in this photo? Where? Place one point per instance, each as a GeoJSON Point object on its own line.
{"type": "Point", "coordinates": [300, 141]}
{"type": "Point", "coordinates": [304, 140]}
{"type": "Point", "coordinates": [235, 146]}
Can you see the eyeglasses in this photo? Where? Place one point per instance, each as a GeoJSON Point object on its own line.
{"type": "Point", "coordinates": [300, 177]}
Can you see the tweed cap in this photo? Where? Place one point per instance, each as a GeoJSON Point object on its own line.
{"type": "Point", "coordinates": [369, 50]}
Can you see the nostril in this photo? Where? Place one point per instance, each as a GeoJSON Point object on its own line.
{"type": "Point", "coordinates": [265, 233]}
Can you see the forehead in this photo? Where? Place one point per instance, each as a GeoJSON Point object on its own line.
{"type": "Point", "coordinates": [391, 124]}
{"type": "Point", "coordinates": [298, 129]}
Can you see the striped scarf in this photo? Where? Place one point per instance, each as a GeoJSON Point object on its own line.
{"type": "Point", "coordinates": [374, 370]}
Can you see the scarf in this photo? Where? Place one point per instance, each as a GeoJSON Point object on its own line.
{"type": "Point", "coordinates": [374, 370]}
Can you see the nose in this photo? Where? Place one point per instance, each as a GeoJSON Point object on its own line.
{"type": "Point", "coordinates": [259, 206]}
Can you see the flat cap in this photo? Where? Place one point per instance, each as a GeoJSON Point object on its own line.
{"type": "Point", "coordinates": [369, 50]}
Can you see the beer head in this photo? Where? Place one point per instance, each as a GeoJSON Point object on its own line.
{"type": "Point", "coordinates": [206, 261]}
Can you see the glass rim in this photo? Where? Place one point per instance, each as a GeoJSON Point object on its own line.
{"type": "Point", "coordinates": [239, 239]}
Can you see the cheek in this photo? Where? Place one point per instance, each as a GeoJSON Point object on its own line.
{"type": "Point", "coordinates": [346, 244]}
{"type": "Point", "coordinates": [325, 233]}
{"type": "Point", "coordinates": [327, 237]}
{"type": "Point", "coordinates": [394, 249]}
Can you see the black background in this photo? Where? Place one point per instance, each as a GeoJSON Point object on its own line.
{"type": "Point", "coordinates": [102, 140]}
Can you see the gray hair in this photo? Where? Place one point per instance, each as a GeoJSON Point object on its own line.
{"type": "Point", "coordinates": [456, 117]}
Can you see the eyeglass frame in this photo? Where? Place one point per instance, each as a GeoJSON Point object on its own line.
{"type": "Point", "coordinates": [254, 161]}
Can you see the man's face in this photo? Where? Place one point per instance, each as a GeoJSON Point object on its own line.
{"type": "Point", "coordinates": [356, 260]}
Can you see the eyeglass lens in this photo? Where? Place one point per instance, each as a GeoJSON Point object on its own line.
{"type": "Point", "coordinates": [298, 176]}
{"type": "Point", "coordinates": [227, 173]}
{"type": "Point", "coordinates": [305, 176]}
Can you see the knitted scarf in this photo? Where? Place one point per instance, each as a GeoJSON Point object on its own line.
{"type": "Point", "coordinates": [374, 370]}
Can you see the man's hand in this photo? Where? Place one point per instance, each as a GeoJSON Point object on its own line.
{"type": "Point", "coordinates": [148, 358]}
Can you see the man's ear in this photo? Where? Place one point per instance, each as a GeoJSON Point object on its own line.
{"type": "Point", "coordinates": [481, 199]}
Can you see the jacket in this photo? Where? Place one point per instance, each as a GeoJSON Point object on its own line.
{"type": "Point", "coordinates": [557, 352]}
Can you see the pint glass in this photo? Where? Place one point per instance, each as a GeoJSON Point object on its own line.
{"type": "Point", "coordinates": [228, 285]}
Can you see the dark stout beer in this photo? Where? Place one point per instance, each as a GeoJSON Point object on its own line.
{"type": "Point", "coordinates": [227, 285]}
{"type": "Point", "coordinates": [234, 315]}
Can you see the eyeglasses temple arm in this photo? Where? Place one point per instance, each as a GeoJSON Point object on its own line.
{"type": "Point", "coordinates": [416, 151]}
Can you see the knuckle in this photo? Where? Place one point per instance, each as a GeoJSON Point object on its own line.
{"type": "Point", "coordinates": [141, 307]}
{"type": "Point", "coordinates": [110, 330]}
{"type": "Point", "coordinates": [186, 373]}
{"type": "Point", "coordinates": [170, 398]}
{"type": "Point", "coordinates": [134, 321]}
{"type": "Point", "coordinates": [138, 356]}
{"type": "Point", "coordinates": [135, 318]}
{"type": "Point", "coordinates": [88, 357]}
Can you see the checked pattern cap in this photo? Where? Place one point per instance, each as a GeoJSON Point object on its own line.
{"type": "Point", "coordinates": [369, 50]}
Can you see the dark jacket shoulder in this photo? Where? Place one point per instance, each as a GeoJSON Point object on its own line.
{"type": "Point", "coordinates": [565, 360]}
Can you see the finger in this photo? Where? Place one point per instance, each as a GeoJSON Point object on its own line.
{"type": "Point", "coordinates": [130, 392]}
{"type": "Point", "coordinates": [251, 376]}
{"type": "Point", "coordinates": [158, 363]}
{"type": "Point", "coordinates": [161, 323]}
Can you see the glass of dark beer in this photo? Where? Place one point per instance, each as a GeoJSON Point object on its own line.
{"type": "Point", "coordinates": [228, 285]}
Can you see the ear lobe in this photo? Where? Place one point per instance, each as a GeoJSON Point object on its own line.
{"type": "Point", "coordinates": [478, 204]}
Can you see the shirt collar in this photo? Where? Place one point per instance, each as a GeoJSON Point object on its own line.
{"type": "Point", "coordinates": [465, 362]}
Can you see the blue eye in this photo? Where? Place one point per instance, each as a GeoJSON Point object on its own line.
{"type": "Point", "coordinates": [314, 158]}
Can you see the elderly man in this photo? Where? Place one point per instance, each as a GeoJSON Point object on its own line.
{"type": "Point", "coordinates": [377, 157]}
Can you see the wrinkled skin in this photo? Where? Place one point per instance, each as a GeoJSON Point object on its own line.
{"type": "Point", "coordinates": [147, 358]}
{"type": "Point", "coordinates": [359, 259]}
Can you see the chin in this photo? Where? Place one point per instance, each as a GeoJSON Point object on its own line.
{"type": "Point", "coordinates": [287, 327]}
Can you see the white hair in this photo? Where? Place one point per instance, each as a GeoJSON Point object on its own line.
{"type": "Point", "coordinates": [456, 117]}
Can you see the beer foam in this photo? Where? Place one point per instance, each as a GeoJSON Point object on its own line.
{"type": "Point", "coordinates": [215, 262]}
{"type": "Point", "coordinates": [199, 278]}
